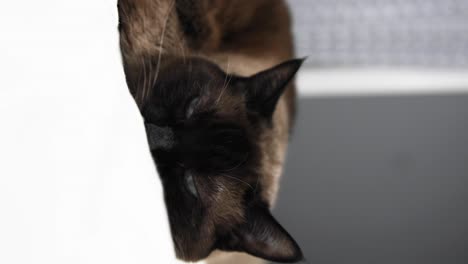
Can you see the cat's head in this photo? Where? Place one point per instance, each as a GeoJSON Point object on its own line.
{"type": "Point", "coordinates": [204, 128]}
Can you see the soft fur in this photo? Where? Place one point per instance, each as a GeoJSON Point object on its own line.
{"type": "Point", "coordinates": [212, 81]}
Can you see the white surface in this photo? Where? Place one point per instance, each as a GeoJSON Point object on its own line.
{"type": "Point", "coordinates": [77, 184]}
{"type": "Point", "coordinates": [375, 81]}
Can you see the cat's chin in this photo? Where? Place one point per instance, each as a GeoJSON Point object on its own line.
{"type": "Point", "coordinates": [223, 257]}
{"type": "Point", "coordinates": [194, 252]}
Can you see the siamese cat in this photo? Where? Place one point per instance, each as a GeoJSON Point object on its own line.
{"type": "Point", "coordinates": [213, 82]}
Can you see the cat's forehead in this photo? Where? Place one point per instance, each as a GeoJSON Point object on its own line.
{"type": "Point", "coordinates": [192, 71]}
{"type": "Point", "coordinates": [179, 80]}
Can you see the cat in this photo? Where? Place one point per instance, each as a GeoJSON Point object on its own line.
{"type": "Point", "coordinates": [213, 82]}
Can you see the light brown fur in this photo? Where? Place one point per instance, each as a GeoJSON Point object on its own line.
{"type": "Point", "coordinates": [149, 27]}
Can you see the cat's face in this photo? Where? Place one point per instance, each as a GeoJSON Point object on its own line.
{"type": "Point", "coordinates": [203, 129]}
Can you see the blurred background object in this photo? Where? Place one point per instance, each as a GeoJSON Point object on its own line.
{"type": "Point", "coordinates": [377, 168]}
{"type": "Point", "coordinates": [430, 33]}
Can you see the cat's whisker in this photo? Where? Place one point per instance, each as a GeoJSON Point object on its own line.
{"type": "Point", "coordinates": [182, 49]}
{"type": "Point", "coordinates": [152, 81]}
{"type": "Point", "coordinates": [221, 94]}
{"type": "Point", "coordinates": [147, 76]}
{"type": "Point", "coordinates": [237, 179]}
{"type": "Point", "coordinates": [238, 165]}
{"type": "Point", "coordinates": [123, 18]}
{"type": "Point", "coordinates": [256, 183]}
{"type": "Point", "coordinates": [143, 92]}
{"type": "Point", "coordinates": [141, 80]}
{"type": "Point", "coordinates": [211, 179]}
{"type": "Point", "coordinates": [150, 77]}
{"type": "Point", "coordinates": [227, 71]}
{"type": "Point", "coordinates": [197, 84]}
{"type": "Point", "coordinates": [225, 84]}
{"type": "Point", "coordinates": [161, 43]}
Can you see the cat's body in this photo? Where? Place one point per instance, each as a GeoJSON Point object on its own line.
{"type": "Point", "coordinates": [242, 38]}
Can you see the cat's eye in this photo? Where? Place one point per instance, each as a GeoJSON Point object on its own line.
{"type": "Point", "coordinates": [190, 183]}
{"type": "Point", "coordinates": [191, 107]}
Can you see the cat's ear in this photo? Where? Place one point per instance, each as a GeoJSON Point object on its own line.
{"type": "Point", "coordinates": [262, 236]}
{"type": "Point", "coordinates": [264, 89]}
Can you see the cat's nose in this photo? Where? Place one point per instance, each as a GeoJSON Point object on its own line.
{"type": "Point", "coordinates": [218, 147]}
{"type": "Point", "coordinates": [160, 137]}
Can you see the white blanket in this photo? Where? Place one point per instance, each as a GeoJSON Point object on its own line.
{"type": "Point", "coordinates": [77, 183]}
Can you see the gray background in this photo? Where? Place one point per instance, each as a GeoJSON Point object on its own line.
{"type": "Point", "coordinates": [380, 179]}
{"type": "Point", "coordinates": [432, 33]}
